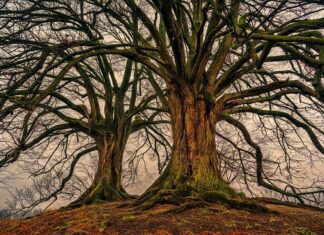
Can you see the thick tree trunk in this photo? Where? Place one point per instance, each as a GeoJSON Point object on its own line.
{"type": "Point", "coordinates": [194, 165]}
{"type": "Point", "coordinates": [106, 185]}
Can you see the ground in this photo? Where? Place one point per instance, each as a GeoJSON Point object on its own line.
{"type": "Point", "coordinates": [107, 218]}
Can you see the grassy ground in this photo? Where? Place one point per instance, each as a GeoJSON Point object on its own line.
{"type": "Point", "coordinates": [217, 219]}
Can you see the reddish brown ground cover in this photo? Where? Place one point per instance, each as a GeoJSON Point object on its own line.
{"type": "Point", "coordinates": [217, 219]}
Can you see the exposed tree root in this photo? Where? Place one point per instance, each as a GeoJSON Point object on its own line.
{"type": "Point", "coordinates": [96, 196]}
{"type": "Point", "coordinates": [174, 197]}
{"type": "Point", "coordinates": [286, 203]}
{"type": "Point", "coordinates": [235, 203]}
{"type": "Point", "coordinates": [189, 203]}
{"type": "Point", "coordinates": [163, 196]}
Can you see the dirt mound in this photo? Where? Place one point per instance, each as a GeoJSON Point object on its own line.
{"type": "Point", "coordinates": [217, 219]}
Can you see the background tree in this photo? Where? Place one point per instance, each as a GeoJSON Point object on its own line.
{"type": "Point", "coordinates": [56, 106]}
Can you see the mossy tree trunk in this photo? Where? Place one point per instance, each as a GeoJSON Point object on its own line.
{"type": "Point", "coordinates": [106, 185]}
{"type": "Point", "coordinates": [194, 168]}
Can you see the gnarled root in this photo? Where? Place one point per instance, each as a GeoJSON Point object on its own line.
{"type": "Point", "coordinates": [197, 200]}
{"type": "Point", "coordinates": [189, 203]}
{"type": "Point", "coordinates": [99, 196]}
{"type": "Point", "coordinates": [236, 203]}
{"type": "Point", "coordinates": [163, 196]}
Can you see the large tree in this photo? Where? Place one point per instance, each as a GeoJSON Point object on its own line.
{"type": "Point", "coordinates": [219, 61]}
{"type": "Point", "coordinates": [222, 62]}
{"type": "Point", "coordinates": [54, 92]}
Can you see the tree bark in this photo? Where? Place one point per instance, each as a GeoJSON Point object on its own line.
{"type": "Point", "coordinates": [194, 167]}
{"type": "Point", "coordinates": [106, 185]}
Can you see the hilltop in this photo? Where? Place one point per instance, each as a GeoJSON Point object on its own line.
{"type": "Point", "coordinates": [107, 218]}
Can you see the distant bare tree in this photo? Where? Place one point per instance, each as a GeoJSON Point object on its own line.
{"type": "Point", "coordinates": [57, 107]}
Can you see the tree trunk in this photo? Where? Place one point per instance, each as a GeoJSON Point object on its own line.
{"type": "Point", "coordinates": [194, 164]}
{"type": "Point", "coordinates": [106, 185]}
